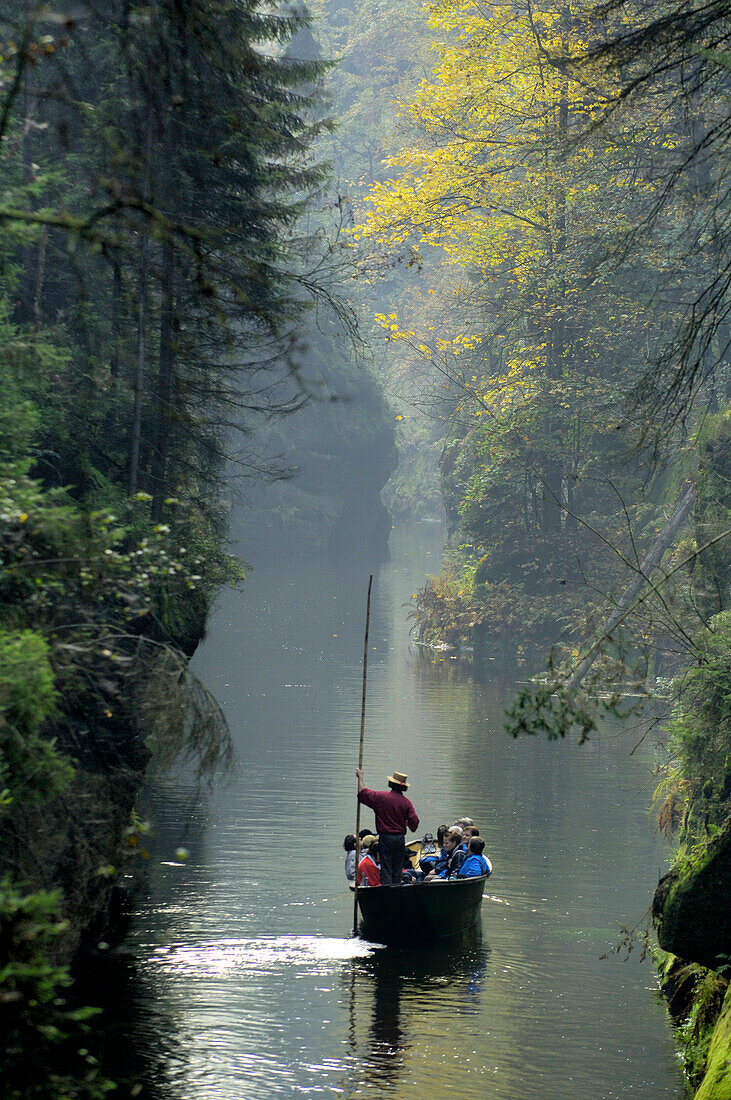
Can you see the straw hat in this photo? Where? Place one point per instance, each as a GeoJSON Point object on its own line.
{"type": "Point", "coordinates": [399, 779]}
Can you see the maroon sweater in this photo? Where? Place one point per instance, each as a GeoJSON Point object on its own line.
{"type": "Point", "coordinates": [393, 810]}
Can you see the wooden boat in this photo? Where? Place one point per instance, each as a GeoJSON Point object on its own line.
{"type": "Point", "coordinates": [421, 910]}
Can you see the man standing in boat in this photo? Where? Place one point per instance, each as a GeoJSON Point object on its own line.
{"type": "Point", "coordinates": [394, 813]}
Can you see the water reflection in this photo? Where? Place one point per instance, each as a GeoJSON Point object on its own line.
{"type": "Point", "coordinates": [405, 1005]}
{"type": "Point", "coordinates": [407, 1012]}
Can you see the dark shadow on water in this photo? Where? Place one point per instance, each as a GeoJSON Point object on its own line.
{"type": "Point", "coordinates": [136, 1038]}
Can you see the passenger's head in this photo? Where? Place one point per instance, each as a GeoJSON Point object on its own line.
{"type": "Point", "coordinates": [477, 845]}
{"type": "Point", "coordinates": [464, 822]}
{"type": "Point", "coordinates": [441, 833]}
{"type": "Point", "coordinates": [349, 843]}
{"type": "Point", "coordinates": [471, 830]}
{"type": "Point", "coordinates": [365, 832]}
{"type": "Point", "coordinates": [453, 839]}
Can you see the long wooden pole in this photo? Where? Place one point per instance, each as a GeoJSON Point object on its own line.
{"type": "Point", "coordinates": [360, 754]}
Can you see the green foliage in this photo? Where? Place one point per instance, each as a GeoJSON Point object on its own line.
{"type": "Point", "coordinates": [27, 694]}
{"type": "Point", "coordinates": [443, 612]}
{"type": "Point", "coordinates": [697, 1030]}
{"type": "Point", "coordinates": [700, 728]}
{"type": "Point", "coordinates": [31, 768]}
{"type": "Point", "coordinates": [28, 361]}
{"type": "Point", "coordinates": [458, 607]}
{"type": "Point", "coordinates": [670, 801]}
{"type": "Point", "coordinates": [716, 1084]}
{"type": "Point", "coordinates": [36, 1014]}
{"type": "Point", "coordinates": [171, 254]}
{"type": "Point", "coordinates": [28, 921]}
{"type": "Point", "coordinates": [536, 350]}
{"type": "Point", "coordinates": [554, 711]}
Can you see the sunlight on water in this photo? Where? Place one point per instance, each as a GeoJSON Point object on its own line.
{"type": "Point", "coordinates": [229, 956]}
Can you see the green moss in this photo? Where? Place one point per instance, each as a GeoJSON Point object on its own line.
{"type": "Point", "coordinates": [716, 1084]}
{"type": "Point", "coordinates": [679, 980]}
{"type": "Point", "coordinates": [699, 1027]}
{"type": "Point", "coordinates": [691, 908]}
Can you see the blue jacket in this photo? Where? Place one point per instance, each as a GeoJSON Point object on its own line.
{"type": "Point", "coordinates": [454, 862]}
{"type": "Point", "coordinates": [474, 865]}
{"type": "Point", "coordinates": [434, 862]}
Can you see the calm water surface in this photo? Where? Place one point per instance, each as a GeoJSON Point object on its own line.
{"type": "Point", "coordinates": [241, 981]}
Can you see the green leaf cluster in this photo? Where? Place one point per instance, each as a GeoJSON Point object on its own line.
{"type": "Point", "coordinates": [36, 1015]}
{"type": "Point", "coordinates": [700, 728]}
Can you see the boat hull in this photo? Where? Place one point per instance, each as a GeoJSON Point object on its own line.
{"type": "Point", "coordinates": [421, 910]}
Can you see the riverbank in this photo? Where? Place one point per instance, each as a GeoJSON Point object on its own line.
{"type": "Point", "coordinates": [100, 612]}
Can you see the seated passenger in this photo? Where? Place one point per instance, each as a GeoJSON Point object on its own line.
{"type": "Point", "coordinates": [440, 862]}
{"type": "Point", "coordinates": [455, 855]}
{"type": "Point", "coordinates": [458, 854]}
{"type": "Point", "coordinates": [408, 872]}
{"type": "Point", "coordinates": [428, 846]}
{"type": "Point", "coordinates": [467, 825]}
{"type": "Point", "coordinates": [369, 872]}
{"type": "Point", "coordinates": [475, 863]}
{"type": "Point", "coordinates": [349, 845]}
{"type": "Point", "coordinates": [429, 859]}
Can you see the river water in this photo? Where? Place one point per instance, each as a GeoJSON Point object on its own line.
{"type": "Point", "coordinates": [240, 980]}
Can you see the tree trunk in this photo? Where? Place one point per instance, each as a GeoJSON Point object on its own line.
{"type": "Point", "coordinates": [552, 494]}
{"type": "Point", "coordinates": [553, 464]}
{"type": "Point", "coordinates": [165, 379]}
{"type": "Point", "coordinates": [31, 257]}
{"type": "Point", "coordinates": [116, 319]}
{"type": "Point", "coordinates": [137, 388]}
{"type": "Point", "coordinates": [141, 359]}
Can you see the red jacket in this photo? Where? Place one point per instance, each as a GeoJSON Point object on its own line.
{"type": "Point", "coordinates": [394, 811]}
{"type": "Point", "coordinates": [369, 873]}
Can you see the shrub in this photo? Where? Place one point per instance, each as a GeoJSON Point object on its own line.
{"type": "Point", "coordinates": [34, 1014]}
{"type": "Point", "coordinates": [700, 727]}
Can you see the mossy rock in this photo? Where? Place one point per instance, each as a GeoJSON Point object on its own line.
{"type": "Point", "coordinates": [690, 907]}
{"type": "Point", "coordinates": [679, 980]}
{"type": "Point", "coordinates": [716, 1084]}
